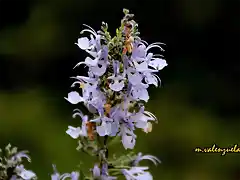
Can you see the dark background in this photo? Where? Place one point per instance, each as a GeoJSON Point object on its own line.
{"type": "Point", "coordinates": [197, 105]}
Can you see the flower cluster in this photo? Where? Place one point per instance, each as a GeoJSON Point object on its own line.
{"type": "Point", "coordinates": [120, 70]}
{"type": "Point", "coordinates": [11, 166]}
{"type": "Point", "coordinates": [116, 89]}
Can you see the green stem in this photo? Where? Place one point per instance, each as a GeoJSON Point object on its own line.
{"type": "Point", "coordinates": [120, 167]}
{"type": "Point", "coordinates": [105, 146]}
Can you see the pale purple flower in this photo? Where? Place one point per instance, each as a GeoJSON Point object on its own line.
{"type": "Point", "coordinates": [14, 177]}
{"type": "Point", "coordinates": [56, 175]}
{"type": "Point", "coordinates": [140, 157]}
{"type": "Point", "coordinates": [24, 174]}
{"type": "Point", "coordinates": [128, 141]}
{"type": "Point", "coordinates": [158, 63]}
{"type": "Point", "coordinates": [139, 52]}
{"type": "Point", "coordinates": [96, 99]}
{"type": "Point", "coordinates": [126, 62]}
{"type": "Point", "coordinates": [91, 94]}
{"type": "Point", "coordinates": [149, 57]}
{"type": "Point", "coordinates": [151, 78]}
{"type": "Point", "coordinates": [74, 97]}
{"type": "Point", "coordinates": [91, 62]}
{"type": "Point", "coordinates": [72, 176]}
{"type": "Point", "coordinates": [84, 43]}
{"type": "Point", "coordinates": [20, 155]}
{"type": "Point", "coordinates": [142, 117]}
{"type": "Point", "coordinates": [147, 128]}
{"type": "Point", "coordinates": [96, 171]}
{"type": "Point", "coordinates": [139, 92]}
{"type": "Point", "coordinates": [127, 122]}
{"type": "Point", "coordinates": [106, 125]}
{"type": "Point", "coordinates": [102, 64]}
{"type": "Point", "coordinates": [117, 78]}
{"type": "Point", "coordinates": [142, 60]}
{"type": "Point", "coordinates": [99, 69]}
{"type": "Point", "coordinates": [134, 77]}
{"type": "Point", "coordinates": [124, 125]}
{"type": "Point", "coordinates": [141, 66]}
{"type": "Point", "coordinates": [128, 137]}
{"type": "Point", "coordinates": [144, 176]}
{"type": "Point", "coordinates": [104, 129]}
{"type": "Point", "coordinates": [76, 132]}
{"type": "Point", "coordinates": [137, 173]}
{"type": "Point", "coordinates": [117, 84]}
{"type": "Point", "coordinates": [93, 35]}
{"type": "Point", "coordinates": [94, 48]}
{"type": "Point", "coordinates": [114, 128]}
{"type": "Point", "coordinates": [105, 169]}
{"type": "Point", "coordinates": [102, 174]}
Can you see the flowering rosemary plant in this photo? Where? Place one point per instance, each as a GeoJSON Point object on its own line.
{"type": "Point", "coordinates": [120, 70]}
{"type": "Point", "coordinates": [11, 167]}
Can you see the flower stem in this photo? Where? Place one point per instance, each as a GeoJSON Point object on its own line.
{"type": "Point", "coordinates": [105, 146]}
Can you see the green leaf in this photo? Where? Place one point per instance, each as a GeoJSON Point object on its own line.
{"type": "Point", "coordinates": [79, 146]}
{"type": "Point", "coordinates": [82, 175]}
{"type": "Point", "coordinates": [114, 141]}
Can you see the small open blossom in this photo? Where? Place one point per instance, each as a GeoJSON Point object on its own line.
{"type": "Point", "coordinates": [137, 173]}
{"type": "Point", "coordinates": [102, 174]}
{"type": "Point", "coordinates": [23, 173]}
{"type": "Point", "coordinates": [140, 157]}
{"type": "Point", "coordinates": [56, 176]}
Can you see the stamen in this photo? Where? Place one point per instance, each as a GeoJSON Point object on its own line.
{"type": "Point", "coordinates": [81, 85]}
{"type": "Point", "coordinates": [90, 128]}
{"type": "Point", "coordinates": [107, 108]}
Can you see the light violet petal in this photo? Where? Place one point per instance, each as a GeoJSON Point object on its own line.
{"type": "Point", "coordinates": [104, 129]}
{"type": "Point", "coordinates": [26, 174]}
{"type": "Point", "coordinates": [145, 176]}
{"type": "Point", "coordinates": [144, 95]}
{"type": "Point", "coordinates": [158, 63]}
{"type": "Point", "coordinates": [73, 176]}
{"type": "Point", "coordinates": [73, 132]}
{"type": "Point", "coordinates": [92, 53]}
{"type": "Point", "coordinates": [14, 177]}
{"type": "Point", "coordinates": [101, 130]}
{"type": "Point", "coordinates": [114, 128]}
{"type": "Point", "coordinates": [91, 62]}
{"type": "Point", "coordinates": [135, 78]}
{"type": "Point", "coordinates": [55, 176]}
{"type": "Point", "coordinates": [96, 171]}
{"type": "Point", "coordinates": [151, 79]}
{"type": "Point", "coordinates": [83, 43]}
{"type": "Point", "coordinates": [74, 97]}
{"type": "Point", "coordinates": [100, 69]}
{"type": "Point", "coordinates": [117, 86]}
{"type": "Point", "coordinates": [128, 142]}
{"type": "Point", "coordinates": [141, 124]}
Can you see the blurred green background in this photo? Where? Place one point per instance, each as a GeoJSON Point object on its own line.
{"type": "Point", "coordinates": [197, 105]}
